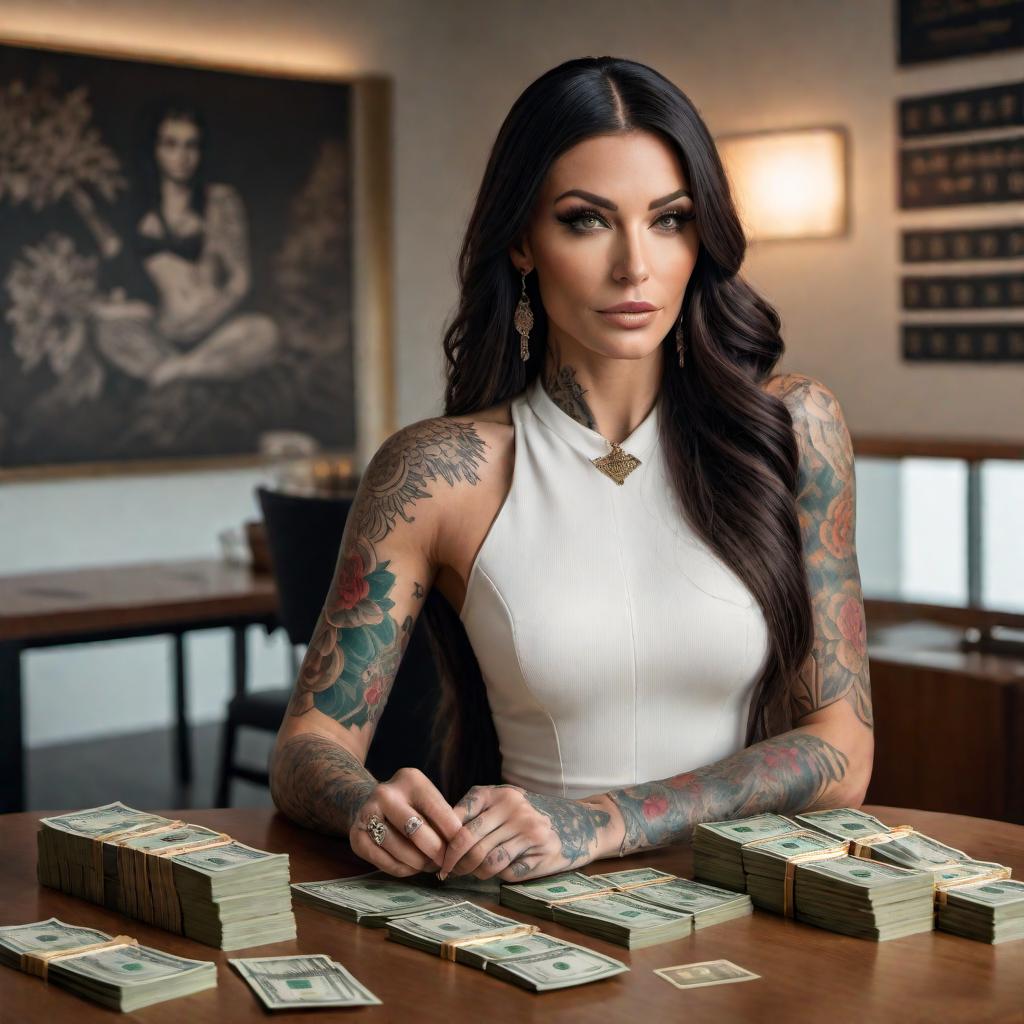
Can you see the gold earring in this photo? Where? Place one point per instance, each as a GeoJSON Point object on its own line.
{"type": "Point", "coordinates": [524, 321]}
{"type": "Point", "coordinates": [680, 344]}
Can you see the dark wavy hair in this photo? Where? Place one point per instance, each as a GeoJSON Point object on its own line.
{"type": "Point", "coordinates": [147, 171]}
{"type": "Point", "coordinates": [730, 447]}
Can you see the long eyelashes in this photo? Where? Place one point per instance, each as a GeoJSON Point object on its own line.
{"type": "Point", "coordinates": [572, 217]}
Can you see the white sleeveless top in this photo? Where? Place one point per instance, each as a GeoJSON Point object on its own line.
{"type": "Point", "coordinates": [615, 647]}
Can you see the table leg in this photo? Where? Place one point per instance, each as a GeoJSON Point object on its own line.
{"type": "Point", "coordinates": [12, 749]}
{"type": "Point", "coordinates": [183, 750]}
{"type": "Point", "coordinates": [241, 660]}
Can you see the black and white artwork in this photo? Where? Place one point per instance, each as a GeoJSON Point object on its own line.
{"type": "Point", "coordinates": [175, 260]}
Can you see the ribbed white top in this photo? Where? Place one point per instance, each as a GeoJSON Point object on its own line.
{"type": "Point", "coordinates": [616, 648]}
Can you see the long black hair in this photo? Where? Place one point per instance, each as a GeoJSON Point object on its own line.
{"type": "Point", "coordinates": [730, 447]}
{"type": "Point", "coordinates": [148, 171]}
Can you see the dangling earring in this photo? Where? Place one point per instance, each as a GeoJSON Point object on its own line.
{"type": "Point", "coordinates": [680, 344]}
{"type": "Point", "coordinates": [524, 321]}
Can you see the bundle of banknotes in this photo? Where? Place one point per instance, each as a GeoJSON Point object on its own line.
{"type": "Point", "coordinates": [633, 908]}
{"type": "Point", "coordinates": [847, 871]}
{"type": "Point", "coordinates": [181, 877]}
{"type": "Point", "coordinates": [990, 912]}
{"type": "Point", "coordinates": [378, 900]}
{"type": "Point", "coordinates": [471, 934]}
{"type": "Point", "coordinates": [114, 971]}
{"type": "Point", "coordinates": [302, 982]}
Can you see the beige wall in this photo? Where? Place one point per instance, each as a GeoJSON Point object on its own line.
{"type": "Point", "coordinates": [746, 64]}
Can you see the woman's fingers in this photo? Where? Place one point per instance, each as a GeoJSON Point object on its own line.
{"type": "Point", "coordinates": [366, 848]}
{"type": "Point", "coordinates": [493, 851]}
{"type": "Point", "coordinates": [400, 848]}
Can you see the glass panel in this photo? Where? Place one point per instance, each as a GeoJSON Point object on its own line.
{"type": "Point", "coordinates": [934, 531]}
{"type": "Point", "coordinates": [1002, 535]}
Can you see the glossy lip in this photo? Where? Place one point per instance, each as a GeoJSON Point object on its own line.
{"type": "Point", "coordinates": [629, 307]}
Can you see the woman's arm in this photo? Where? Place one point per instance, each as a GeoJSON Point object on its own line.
{"type": "Point", "coordinates": [386, 565]}
{"type": "Point", "coordinates": [228, 237]}
{"type": "Point", "coordinates": [826, 760]}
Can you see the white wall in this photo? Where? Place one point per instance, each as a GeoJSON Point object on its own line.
{"type": "Point", "coordinates": [457, 67]}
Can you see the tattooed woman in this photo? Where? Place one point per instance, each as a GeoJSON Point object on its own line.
{"type": "Point", "coordinates": [646, 535]}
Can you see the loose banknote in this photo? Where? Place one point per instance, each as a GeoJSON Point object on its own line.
{"type": "Point", "coordinates": [708, 972]}
{"type": "Point", "coordinates": [303, 981]}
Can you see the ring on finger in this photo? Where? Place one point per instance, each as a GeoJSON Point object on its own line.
{"type": "Point", "coordinates": [412, 825]}
{"type": "Point", "coordinates": [377, 829]}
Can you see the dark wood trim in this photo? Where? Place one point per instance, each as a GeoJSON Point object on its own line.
{"type": "Point", "coordinates": [936, 448]}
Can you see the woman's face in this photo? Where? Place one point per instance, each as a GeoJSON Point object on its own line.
{"type": "Point", "coordinates": [589, 256]}
{"type": "Point", "coordinates": [177, 149]}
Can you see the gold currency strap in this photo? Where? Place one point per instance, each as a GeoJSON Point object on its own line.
{"type": "Point", "coordinates": [842, 849]}
{"type": "Point", "coordinates": [863, 846]}
{"type": "Point", "coordinates": [38, 964]}
{"type": "Point", "coordinates": [625, 888]}
{"type": "Point", "coordinates": [449, 946]}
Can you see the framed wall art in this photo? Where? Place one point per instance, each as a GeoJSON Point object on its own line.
{"type": "Point", "coordinates": [193, 259]}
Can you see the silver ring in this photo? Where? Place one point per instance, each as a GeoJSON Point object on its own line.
{"type": "Point", "coordinates": [412, 825]}
{"type": "Point", "coordinates": [377, 829]}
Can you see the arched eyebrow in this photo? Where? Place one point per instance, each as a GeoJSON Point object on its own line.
{"type": "Point", "coordinates": [609, 205]}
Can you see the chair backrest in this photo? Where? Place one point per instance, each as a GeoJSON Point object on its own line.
{"type": "Point", "coordinates": [304, 535]}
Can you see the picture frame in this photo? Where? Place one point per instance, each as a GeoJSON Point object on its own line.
{"type": "Point", "coordinates": [195, 264]}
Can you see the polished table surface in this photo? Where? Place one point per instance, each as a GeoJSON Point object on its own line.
{"type": "Point", "coordinates": [807, 974]}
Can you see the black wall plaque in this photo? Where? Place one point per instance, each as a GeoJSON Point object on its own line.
{"type": "Point", "coordinates": [977, 291]}
{"type": "Point", "coordinates": [966, 110]}
{"type": "Point", "coordinates": [986, 343]}
{"type": "Point", "coordinates": [995, 242]}
{"type": "Point", "coordinates": [977, 172]}
{"type": "Point", "coordinates": [938, 29]}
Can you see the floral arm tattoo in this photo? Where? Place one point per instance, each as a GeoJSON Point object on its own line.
{"type": "Point", "coordinates": [837, 668]}
{"type": "Point", "coordinates": [783, 774]}
{"type": "Point", "coordinates": [357, 644]}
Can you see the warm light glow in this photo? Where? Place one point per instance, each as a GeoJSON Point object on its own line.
{"type": "Point", "coordinates": [788, 184]}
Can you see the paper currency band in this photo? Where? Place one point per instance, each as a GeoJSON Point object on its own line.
{"type": "Point", "coordinates": [625, 887]}
{"type": "Point", "coordinates": [38, 964]}
{"type": "Point", "coordinates": [862, 847]}
{"type": "Point", "coordinates": [449, 946]}
{"type": "Point", "coordinates": [788, 908]}
{"type": "Point", "coordinates": [941, 889]}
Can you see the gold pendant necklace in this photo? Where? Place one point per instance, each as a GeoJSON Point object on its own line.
{"type": "Point", "coordinates": [617, 464]}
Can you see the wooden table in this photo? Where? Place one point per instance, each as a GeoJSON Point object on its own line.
{"type": "Point", "coordinates": [807, 974]}
{"type": "Point", "coordinates": [73, 606]}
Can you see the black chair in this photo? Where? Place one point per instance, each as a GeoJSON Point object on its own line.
{"type": "Point", "coordinates": [303, 536]}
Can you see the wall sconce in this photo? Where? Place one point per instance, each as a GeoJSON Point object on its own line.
{"type": "Point", "coordinates": [788, 184]}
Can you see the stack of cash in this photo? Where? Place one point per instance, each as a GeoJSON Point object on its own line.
{"type": "Point", "coordinates": [302, 982]}
{"type": "Point", "coordinates": [184, 878]}
{"type": "Point", "coordinates": [705, 904]}
{"type": "Point", "coordinates": [598, 908]}
{"type": "Point", "coordinates": [372, 899]}
{"type": "Point", "coordinates": [868, 900]}
{"type": "Point", "coordinates": [118, 974]}
{"type": "Point", "coordinates": [503, 947]}
{"type": "Point", "coordinates": [769, 865]}
{"type": "Point", "coordinates": [992, 911]}
{"type": "Point", "coordinates": [717, 845]}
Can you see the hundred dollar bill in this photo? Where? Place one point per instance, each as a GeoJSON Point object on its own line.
{"type": "Point", "coordinates": [843, 822]}
{"type": "Point", "coordinates": [370, 901]}
{"type": "Point", "coordinates": [303, 981]}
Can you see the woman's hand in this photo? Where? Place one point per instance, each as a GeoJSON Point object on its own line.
{"type": "Point", "coordinates": [418, 820]}
{"type": "Point", "coordinates": [516, 835]}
